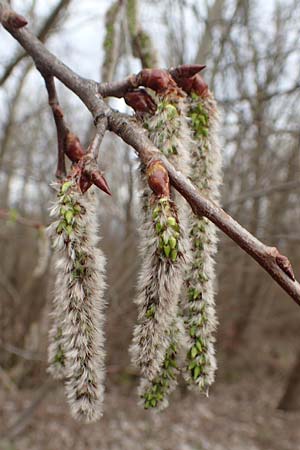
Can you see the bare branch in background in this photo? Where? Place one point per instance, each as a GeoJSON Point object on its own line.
{"type": "Point", "coordinates": [42, 35]}
{"type": "Point", "coordinates": [268, 257]}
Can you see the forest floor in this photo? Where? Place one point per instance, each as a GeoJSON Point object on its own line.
{"type": "Point", "coordinates": [240, 414]}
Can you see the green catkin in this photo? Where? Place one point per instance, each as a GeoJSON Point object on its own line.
{"type": "Point", "coordinates": [158, 335]}
{"type": "Point", "coordinates": [199, 310]}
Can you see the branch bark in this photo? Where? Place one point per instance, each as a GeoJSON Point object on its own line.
{"type": "Point", "coordinates": [89, 92]}
{"type": "Point", "coordinates": [61, 127]}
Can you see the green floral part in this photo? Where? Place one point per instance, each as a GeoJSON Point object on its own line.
{"type": "Point", "coordinates": [167, 228]}
{"type": "Point", "coordinates": [161, 384]}
{"type": "Point", "coordinates": [196, 356]}
{"type": "Point", "coordinates": [200, 119]}
{"type": "Point", "coordinates": [150, 312]}
{"type": "Point", "coordinates": [69, 209]}
{"type": "Point", "coordinates": [166, 127]}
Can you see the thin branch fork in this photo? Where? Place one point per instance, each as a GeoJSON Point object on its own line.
{"type": "Point", "coordinates": [277, 265]}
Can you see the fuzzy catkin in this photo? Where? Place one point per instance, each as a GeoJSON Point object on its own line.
{"type": "Point", "coordinates": [56, 354]}
{"type": "Point", "coordinates": [78, 306]}
{"type": "Point", "coordinates": [200, 316]}
{"type": "Point", "coordinates": [159, 285]}
{"type": "Point", "coordinates": [154, 394]}
{"type": "Point", "coordinates": [161, 277]}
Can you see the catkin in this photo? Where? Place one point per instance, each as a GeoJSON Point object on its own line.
{"type": "Point", "coordinates": [165, 252]}
{"type": "Point", "coordinates": [199, 311]}
{"type": "Point", "coordinates": [76, 350]}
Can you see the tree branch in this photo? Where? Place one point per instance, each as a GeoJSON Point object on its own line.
{"type": "Point", "coordinates": [89, 91]}
{"type": "Point", "coordinates": [61, 127]}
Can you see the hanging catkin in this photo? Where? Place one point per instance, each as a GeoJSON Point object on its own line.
{"type": "Point", "coordinates": [199, 312]}
{"type": "Point", "coordinates": [76, 350]}
{"type": "Point", "coordinates": [164, 250]}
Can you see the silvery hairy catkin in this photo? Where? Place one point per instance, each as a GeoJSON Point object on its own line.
{"type": "Point", "coordinates": [76, 350]}
{"type": "Point", "coordinates": [159, 284]}
{"type": "Point", "coordinates": [154, 394]}
{"type": "Point", "coordinates": [200, 316]}
{"type": "Point", "coordinates": [164, 248]}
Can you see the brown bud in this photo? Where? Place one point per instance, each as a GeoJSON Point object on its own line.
{"type": "Point", "coordinates": [157, 79]}
{"type": "Point", "coordinates": [140, 101]}
{"type": "Point", "coordinates": [98, 180]}
{"type": "Point", "coordinates": [186, 71]}
{"type": "Point", "coordinates": [194, 84]}
{"type": "Point", "coordinates": [84, 183]}
{"type": "Point", "coordinates": [285, 265]}
{"type": "Point", "coordinates": [74, 149]}
{"type": "Point", "coordinates": [158, 178]}
{"type": "Point", "coordinates": [16, 20]}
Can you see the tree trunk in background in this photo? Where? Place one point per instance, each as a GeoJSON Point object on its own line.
{"type": "Point", "coordinates": [290, 400]}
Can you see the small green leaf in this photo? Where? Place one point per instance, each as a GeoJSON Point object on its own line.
{"type": "Point", "coordinates": [150, 312]}
{"type": "Point", "coordinates": [171, 221]}
{"type": "Point", "coordinates": [194, 352]}
{"type": "Point", "coordinates": [171, 111]}
{"type": "Point", "coordinates": [199, 346]}
{"type": "Point", "coordinates": [197, 372]}
{"type": "Point", "coordinates": [192, 365]}
{"type": "Point", "coordinates": [69, 216]}
{"type": "Point", "coordinates": [174, 255]}
{"type": "Point", "coordinates": [167, 250]}
{"type": "Point", "coordinates": [77, 209]}
{"type": "Point", "coordinates": [69, 230]}
{"type": "Point", "coordinates": [172, 242]}
{"type": "Point", "coordinates": [60, 227]}
{"type": "Point", "coordinates": [65, 187]}
{"type": "Point", "coordinates": [158, 227]}
{"type": "Point", "coordinates": [193, 331]}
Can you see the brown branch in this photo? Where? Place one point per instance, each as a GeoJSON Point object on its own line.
{"type": "Point", "coordinates": [269, 258]}
{"type": "Point", "coordinates": [287, 186]}
{"type": "Point", "coordinates": [13, 216]}
{"type": "Point", "coordinates": [61, 127]}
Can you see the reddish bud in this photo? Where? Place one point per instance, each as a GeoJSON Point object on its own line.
{"type": "Point", "coordinates": [74, 149]}
{"type": "Point", "coordinates": [98, 179]}
{"type": "Point", "coordinates": [157, 79]}
{"type": "Point", "coordinates": [158, 179]}
{"type": "Point", "coordinates": [16, 21]}
{"type": "Point", "coordinates": [140, 101]}
{"type": "Point", "coordinates": [186, 71]}
{"type": "Point", "coordinates": [188, 78]}
{"type": "Point", "coordinates": [284, 264]}
{"type": "Point", "coordinates": [194, 84]}
{"type": "Point", "coordinates": [84, 183]}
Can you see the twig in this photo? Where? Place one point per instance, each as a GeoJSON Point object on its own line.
{"type": "Point", "coordinates": [15, 217]}
{"type": "Point", "coordinates": [269, 258]}
{"type": "Point", "coordinates": [24, 418]}
{"type": "Point", "coordinates": [44, 32]}
{"type": "Point", "coordinates": [101, 127]}
{"type": "Point", "coordinates": [61, 127]}
{"type": "Point", "coordinates": [287, 186]}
